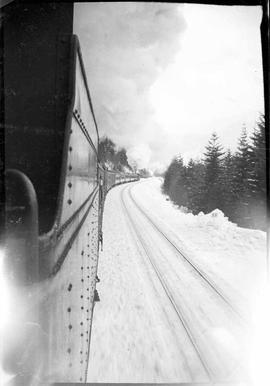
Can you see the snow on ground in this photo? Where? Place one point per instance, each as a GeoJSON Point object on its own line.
{"type": "Point", "coordinates": [136, 336]}
{"type": "Point", "coordinates": [131, 330]}
{"type": "Point", "coordinates": [235, 256]}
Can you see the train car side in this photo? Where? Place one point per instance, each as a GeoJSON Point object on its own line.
{"type": "Point", "coordinates": [55, 193]}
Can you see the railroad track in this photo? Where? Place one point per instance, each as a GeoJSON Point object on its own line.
{"type": "Point", "coordinates": [177, 308]}
{"type": "Point", "coordinates": [195, 267]}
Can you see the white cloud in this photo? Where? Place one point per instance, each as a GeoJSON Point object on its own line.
{"type": "Point", "coordinates": [164, 76]}
{"type": "Point", "coordinates": [215, 82]}
{"type": "Point", "coordinates": [139, 156]}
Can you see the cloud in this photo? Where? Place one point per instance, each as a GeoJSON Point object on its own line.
{"type": "Point", "coordinates": [139, 155]}
{"type": "Point", "coordinates": [163, 76]}
{"type": "Point", "coordinates": [125, 47]}
{"type": "Point", "coordinates": [215, 82]}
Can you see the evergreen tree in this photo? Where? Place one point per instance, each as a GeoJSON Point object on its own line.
{"type": "Point", "coordinates": [234, 183]}
{"type": "Point", "coordinates": [108, 153]}
{"type": "Point", "coordinates": [179, 190]}
{"type": "Point", "coordinates": [258, 159]}
{"type": "Point", "coordinates": [194, 185]}
{"type": "Point", "coordinates": [120, 160]}
{"type": "Point", "coordinates": [242, 180]}
{"type": "Point", "coordinates": [228, 185]}
{"type": "Point", "coordinates": [173, 181]}
{"type": "Point", "coordinates": [170, 175]}
{"type": "Point", "coordinates": [258, 175]}
{"type": "Point", "coordinates": [144, 173]}
{"type": "Point", "coordinates": [212, 189]}
{"type": "Point", "coordinates": [243, 166]}
{"type": "Point", "coordinates": [106, 150]}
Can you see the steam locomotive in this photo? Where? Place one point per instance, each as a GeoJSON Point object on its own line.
{"type": "Point", "coordinates": [54, 193]}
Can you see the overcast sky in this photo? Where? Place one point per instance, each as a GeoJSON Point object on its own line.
{"type": "Point", "coordinates": [163, 77]}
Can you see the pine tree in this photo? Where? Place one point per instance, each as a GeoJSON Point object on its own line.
{"type": "Point", "coordinates": [258, 175]}
{"type": "Point", "coordinates": [195, 171]}
{"type": "Point", "coordinates": [170, 175]}
{"type": "Point", "coordinates": [108, 154]}
{"type": "Point", "coordinates": [179, 192]}
{"type": "Point", "coordinates": [106, 150]}
{"type": "Point", "coordinates": [174, 181]}
{"type": "Point", "coordinates": [121, 160]}
{"type": "Point", "coordinates": [243, 166]}
{"type": "Point", "coordinates": [212, 189]}
{"type": "Point", "coordinates": [242, 180]}
{"type": "Point", "coordinates": [258, 159]}
{"type": "Point", "coordinates": [228, 185]}
{"type": "Point", "coordinates": [234, 183]}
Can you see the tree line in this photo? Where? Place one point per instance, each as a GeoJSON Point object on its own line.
{"type": "Point", "coordinates": [232, 182]}
{"type": "Point", "coordinates": [112, 158]}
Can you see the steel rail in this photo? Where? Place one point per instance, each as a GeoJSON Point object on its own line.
{"type": "Point", "coordinates": [176, 307]}
{"type": "Point", "coordinates": [203, 275]}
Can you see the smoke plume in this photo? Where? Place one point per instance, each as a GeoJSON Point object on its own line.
{"type": "Point", "coordinates": [125, 46]}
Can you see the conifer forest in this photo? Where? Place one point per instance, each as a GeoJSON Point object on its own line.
{"type": "Point", "coordinates": [232, 182]}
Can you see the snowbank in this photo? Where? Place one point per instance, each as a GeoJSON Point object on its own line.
{"type": "Point", "coordinates": [235, 256]}
{"type": "Point", "coordinates": [135, 336]}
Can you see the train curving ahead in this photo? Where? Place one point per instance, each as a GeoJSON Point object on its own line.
{"type": "Point", "coordinates": [55, 189]}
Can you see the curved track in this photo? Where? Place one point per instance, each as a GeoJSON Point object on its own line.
{"type": "Point", "coordinates": [161, 319]}
{"type": "Point", "coordinates": [176, 307]}
{"type": "Point", "coordinates": [216, 362]}
{"type": "Point", "coordinates": [187, 259]}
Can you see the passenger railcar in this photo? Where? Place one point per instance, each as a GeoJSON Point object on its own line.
{"type": "Point", "coordinates": [54, 196]}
